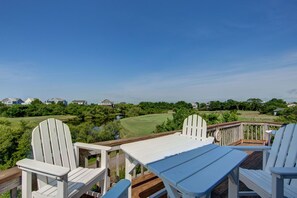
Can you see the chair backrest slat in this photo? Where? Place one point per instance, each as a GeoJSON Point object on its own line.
{"type": "Point", "coordinates": [51, 143]}
{"type": "Point", "coordinates": [292, 155]}
{"type": "Point", "coordinates": [54, 142]}
{"type": "Point", "coordinates": [194, 126]}
{"type": "Point", "coordinates": [38, 154]}
{"type": "Point", "coordinates": [284, 146]}
{"type": "Point", "coordinates": [62, 143]}
{"type": "Point", "coordinates": [284, 150]}
{"type": "Point", "coordinates": [45, 141]}
{"type": "Point", "coordinates": [70, 150]}
{"type": "Point", "coordinates": [274, 149]}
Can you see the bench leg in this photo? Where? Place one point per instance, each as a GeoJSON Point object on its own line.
{"type": "Point", "coordinates": [129, 167]}
{"type": "Point", "coordinates": [233, 183]}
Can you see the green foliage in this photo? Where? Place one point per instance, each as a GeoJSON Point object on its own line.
{"type": "Point", "coordinates": [182, 105]}
{"type": "Point", "coordinates": [156, 107]}
{"type": "Point", "coordinates": [89, 132]}
{"type": "Point", "coordinates": [229, 116]}
{"type": "Point", "coordinates": [14, 143]}
{"type": "Point", "coordinates": [289, 115]}
{"type": "Point", "coordinates": [211, 118]}
{"type": "Point", "coordinates": [215, 105]}
{"type": "Point", "coordinates": [273, 104]}
{"type": "Point", "coordinates": [134, 111]}
{"type": "Point", "coordinates": [7, 194]}
{"type": "Point", "coordinates": [176, 122]}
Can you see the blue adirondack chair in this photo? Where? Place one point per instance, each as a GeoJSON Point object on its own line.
{"type": "Point", "coordinates": [279, 175]}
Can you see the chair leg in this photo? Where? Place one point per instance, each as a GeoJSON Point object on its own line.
{"type": "Point", "coordinates": [277, 186]}
{"type": "Point", "coordinates": [26, 184]}
{"type": "Point", "coordinates": [63, 187]}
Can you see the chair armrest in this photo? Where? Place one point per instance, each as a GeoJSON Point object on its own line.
{"type": "Point", "coordinates": [273, 132]}
{"type": "Point", "coordinates": [43, 168]}
{"type": "Point", "coordinates": [251, 148]}
{"type": "Point", "coordinates": [120, 189]}
{"type": "Point", "coordinates": [284, 172]}
{"type": "Point", "coordinates": [94, 147]}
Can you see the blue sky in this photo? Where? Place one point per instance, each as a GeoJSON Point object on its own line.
{"type": "Point", "coordinates": [153, 50]}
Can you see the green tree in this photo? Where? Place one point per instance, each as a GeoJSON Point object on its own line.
{"type": "Point", "coordinates": [272, 104]}
{"type": "Point", "coordinates": [289, 115]}
{"type": "Point", "coordinates": [254, 104]}
{"type": "Point", "coordinates": [215, 105]}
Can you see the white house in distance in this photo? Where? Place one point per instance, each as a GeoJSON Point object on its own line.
{"type": "Point", "coordinates": [12, 101]}
{"type": "Point", "coordinates": [106, 102]}
{"type": "Point", "coordinates": [56, 101]}
{"type": "Point", "coordinates": [80, 102]}
{"type": "Point", "coordinates": [29, 101]}
{"type": "Point", "coordinates": [194, 105]}
{"type": "Point", "coordinates": [291, 104]}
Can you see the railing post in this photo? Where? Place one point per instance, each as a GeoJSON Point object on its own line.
{"type": "Point", "coordinates": [134, 173]}
{"type": "Point", "coordinates": [142, 170]}
{"type": "Point", "coordinates": [118, 163]}
{"type": "Point", "coordinates": [13, 193]}
{"type": "Point", "coordinates": [265, 135]}
{"type": "Point", "coordinates": [86, 161]}
{"type": "Point", "coordinates": [108, 170]}
{"type": "Point", "coordinates": [97, 160]}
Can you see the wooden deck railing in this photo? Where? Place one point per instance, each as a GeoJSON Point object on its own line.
{"type": "Point", "coordinates": [225, 134]}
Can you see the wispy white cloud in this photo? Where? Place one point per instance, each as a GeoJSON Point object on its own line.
{"type": "Point", "coordinates": [267, 78]}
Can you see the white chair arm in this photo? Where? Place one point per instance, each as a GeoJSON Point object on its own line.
{"type": "Point", "coordinates": [271, 132]}
{"type": "Point", "coordinates": [93, 147]}
{"type": "Point", "coordinates": [43, 168]}
{"type": "Point", "coordinates": [251, 148]}
{"type": "Point", "coordinates": [284, 172]}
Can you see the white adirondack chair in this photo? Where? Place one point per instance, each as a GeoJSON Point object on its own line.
{"type": "Point", "coordinates": [279, 175]}
{"type": "Point", "coordinates": [195, 127]}
{"type": "Point", "coordinates": [56, 164]}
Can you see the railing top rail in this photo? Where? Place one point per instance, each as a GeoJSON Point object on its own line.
{"type": "Point", "coordinates": [226, 124]}
{"type": "Point", "coordinates": [119, 142]}
{"type": "Point", "coordinates": [134, 139]}
{"type": "Point", "coordinates": [9, 174]}
{"type": "Point", "coordinates": [262, 123]}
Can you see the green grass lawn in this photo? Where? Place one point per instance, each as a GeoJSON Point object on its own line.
{"type": "Point", "coordinates": [37, 119]}
{"type": "Point", "coordinates": [255, 116]}
{"type": "Point", "coordinates": [142, 125]}
{"type": "Point", "coordinates": [250, 116]}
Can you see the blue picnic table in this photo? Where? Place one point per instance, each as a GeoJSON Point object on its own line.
{"type": "Point", "coordinates": [196, 172]}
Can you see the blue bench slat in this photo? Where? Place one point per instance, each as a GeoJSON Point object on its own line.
{"type": "Point", "coordinates": [165, 164]}
{"type": "Point", "coordinates": [185, 170]}
{"type": "Point", "coordinates": [119, 190]}
{"type": "Point", "coordinates": [205, 180]}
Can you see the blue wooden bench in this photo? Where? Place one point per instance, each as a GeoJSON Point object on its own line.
{"type": "Point", "coordinates": [119, 190]}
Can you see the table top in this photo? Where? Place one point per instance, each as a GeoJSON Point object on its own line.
{"type": "Point", "coordinates": [154, 149]}
{"type": "Point", "coordinates": [198, 171]}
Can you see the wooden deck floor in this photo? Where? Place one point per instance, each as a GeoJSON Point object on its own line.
{"type": "Point", "coordinates": [148, 184]}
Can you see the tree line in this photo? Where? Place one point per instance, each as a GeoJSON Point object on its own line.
{"type": "Point", "coordinates": [37, 108]}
